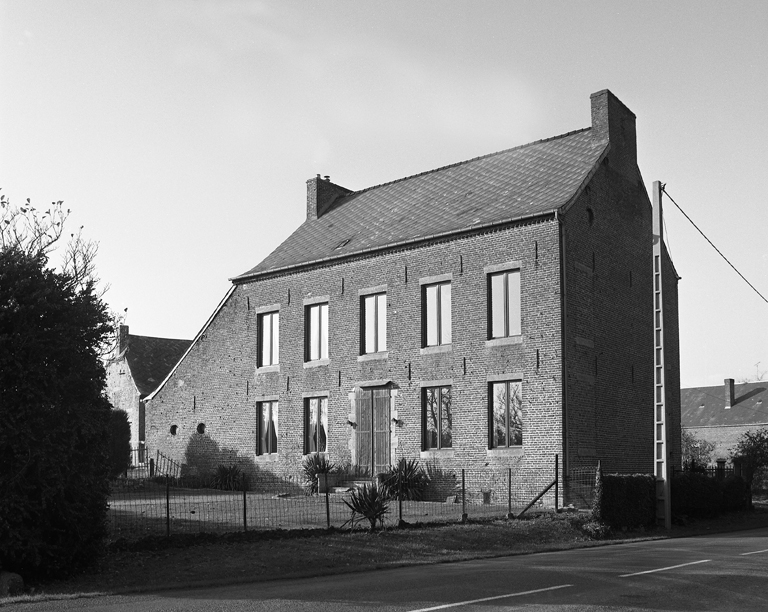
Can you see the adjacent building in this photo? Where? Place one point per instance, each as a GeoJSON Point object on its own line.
{"type": "Point", "coordinates": [136, 367]}
{"type": "Point", "coordinates": [492, 313]}
{"type": "Point", "coordinates": [721, 415]}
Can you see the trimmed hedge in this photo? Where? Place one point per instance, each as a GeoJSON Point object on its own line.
{"type": "Point", "coordinates": [624, 500]}
{"type": "Point", "coordinates": [696, 495]}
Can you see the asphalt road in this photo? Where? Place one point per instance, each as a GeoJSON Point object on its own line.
{"type": "Point", "coordinates": [720, 573]}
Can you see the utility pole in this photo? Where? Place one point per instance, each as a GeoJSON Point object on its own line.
{"type": "Point", "coordinates": [661, 420]}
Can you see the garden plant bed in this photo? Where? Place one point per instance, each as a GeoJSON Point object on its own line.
{"type": "Point", "coordinates": [205, 559]}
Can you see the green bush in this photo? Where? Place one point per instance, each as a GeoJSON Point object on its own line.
{"type": "Point", "coordinates": [625, 500]}
{"type": "Point", "coordinates": [54, 455]}
{"type": "Point", "coordinates": [696, 495]}
{"type": "Point", "coordinates": [368, 503]}
{"type": "Point", "coordinates": [119, 443]}
{"type": "Point", "coordinates": [406, 480]}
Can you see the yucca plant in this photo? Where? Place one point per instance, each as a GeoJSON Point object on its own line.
{"type": "Point", "coordinates": [229, 478]}
{"type": "Point", "coordinates": [406, 480]}
{"type": "Point", "coordinates": [313, 466]}
{"type": "Point", "coordinates": [368, 503]}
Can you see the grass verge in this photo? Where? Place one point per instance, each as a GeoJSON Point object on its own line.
{"type": "Point", "coordinates": [203, 559]}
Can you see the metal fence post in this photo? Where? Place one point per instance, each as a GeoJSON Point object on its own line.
{"type": "Point", "coordinates": [151, 467]}
{"type": "Point", "coordinates": [463, 498]}
{"type": "Point", "coordinates": [327, 502]}
{"type": "Point", "coordinates": [245, 508]}
{"type": "Point", "coordinates": [400, 498]}
{"type": "Point", "coordinates": [509, 494]}
{"type": "Point", "coordinates": [167, 505]}
{"type": "Point", "coordinates": [557, 480]}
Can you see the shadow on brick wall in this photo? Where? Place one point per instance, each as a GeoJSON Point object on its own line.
{"type": "Point", "coordinates": [203, 457]}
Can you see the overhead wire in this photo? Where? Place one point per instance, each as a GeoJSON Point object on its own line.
{"type": "Point", "coordinates": [744, 278]}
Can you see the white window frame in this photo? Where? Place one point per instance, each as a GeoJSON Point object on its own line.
{"type": "Point", "coordinates": [511, 306]}
{"type": "Point", "coordinates": [377, 315]}
{"type": "Point", "coordinates": [316, 337]}
{"type": "Point", "coordinates": [322, 400]}
{"type": "Point", "coordinates": [443, 310]}
{"type": "Point", "coordinates": [492, 441]}
{"type": "Point", "coordinates": [273, 407]}
{"type": "Point", "coordinates": [273, 342]}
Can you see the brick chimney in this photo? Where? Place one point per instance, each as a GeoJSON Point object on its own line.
{"type": "Point", "coordinates": [321, 193]}
{"type": "Point", "coordinates": [730, 395]}
{"type": "Point", "coordinates": [122, 339]}
{"type": "Point", "coordinates": [614, 123]}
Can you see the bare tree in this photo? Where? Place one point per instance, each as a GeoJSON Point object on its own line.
{"type": "Point", "coordinates": [27, 229]}
{"type": "Point", "coordinates": [36, 234]}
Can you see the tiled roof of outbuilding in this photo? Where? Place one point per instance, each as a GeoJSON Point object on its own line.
{"type": "Point", "coordinates": [151, 359]}
{"type": "Point", "coordinates": [705, 406]}
{"type": "Point", "coordinates": [521, 182]}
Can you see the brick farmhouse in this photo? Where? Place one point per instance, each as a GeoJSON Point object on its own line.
{"type": "Point", "coordinates": [495, 312]}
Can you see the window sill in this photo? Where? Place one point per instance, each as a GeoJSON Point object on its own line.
{"type": "Point", "coordinates": [316, 363]}
{"type": "Point", "coordinates": [380, 356]}
{"type": "Point", "coordinates": [268, 369]}
{"type": "Point", "coordinates": [504, 341]}
{"type": "Point", "coordinates": [324, 453]}
{"type": "Point", "coordinates": [434, 350]}
{"type": "Point", "coordinates": [509, 451]}
{"type": "Point", "coordinates": [270, 458]}
{"type": "Point", "coordinates": [442, 453]}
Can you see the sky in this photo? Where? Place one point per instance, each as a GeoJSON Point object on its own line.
{"type": "Point", "coordinates": [181, 134]}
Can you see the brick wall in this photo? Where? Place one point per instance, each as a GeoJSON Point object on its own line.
{"type": "Point", "coordinates": [609, 325]}
{"type": "Point", "coordinates": [124, 395]}
{"type": "Point", "coordinates": [217, 384]}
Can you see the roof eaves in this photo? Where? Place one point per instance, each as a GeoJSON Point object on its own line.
{"type": "Point", "coordinates": [194, 342]}
{"type": "Point", "coordinates": [244, 278]}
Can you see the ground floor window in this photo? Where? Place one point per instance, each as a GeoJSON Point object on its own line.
{"type": "Point", "coordinates": [437, 418]}
{"type": "Point", "coordinates": [315, 424]}
{"type": "Point", "coordinates": [505, 414]}
{"type": "Point", "coordinates": [267, 428]}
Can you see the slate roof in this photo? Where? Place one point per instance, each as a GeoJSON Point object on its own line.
{"type": "Point", "coordinates": [705, 406]}
{"type": "Point", "coordinates": [516, 183]}
{"type": "Point", "coordinates": [151, 359]}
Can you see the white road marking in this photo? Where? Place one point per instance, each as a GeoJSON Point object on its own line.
{"type": "Point", "coordinates": [472, 601]}
{"type": "Point", "coordinates": [664, 569]}
{"type": "Point", "coordinates": [754, 552]}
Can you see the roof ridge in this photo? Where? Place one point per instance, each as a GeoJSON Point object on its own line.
{"type": "Point", "coordinates": [466, 161]}
{"type": "Point", "coordinates": [160, 338]}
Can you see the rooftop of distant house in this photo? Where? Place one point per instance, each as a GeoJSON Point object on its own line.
{"type": "Point", "coordinates": [150, 359]}
{"type": "Point", "coordinates": [728, 404]}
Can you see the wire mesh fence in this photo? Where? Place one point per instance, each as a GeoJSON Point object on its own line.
{"type": "Point", "coordinates": [580, 486]}
{"type": "Point", "coordinates": [164, 505]}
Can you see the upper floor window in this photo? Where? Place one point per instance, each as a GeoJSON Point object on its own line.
{"type": "Point", "coordinates": [269, 339]}
{"type": "Point", "coordinates": [267, 443]}
{"type": "Point", "coordinates": [374, 323]}
{"type": "Point", "coordinates": [436, 314]}
{"type": "Point", "coordinates": [506, 414]}
{"type": "Point", "coordinates": [437, 418]}
{"type": "Point", "coordinates": [504, 304]}
{"type": "Point", "coordinates": [316, 328]}
{"type": "Point", "coordinates": [315, 424]}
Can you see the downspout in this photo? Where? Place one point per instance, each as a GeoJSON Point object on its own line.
{"type": "Point", "coordinates": [563, 350]}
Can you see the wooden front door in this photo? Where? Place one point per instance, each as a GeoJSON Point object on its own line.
{"type": "Point", "coordinates": [373, 430]}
